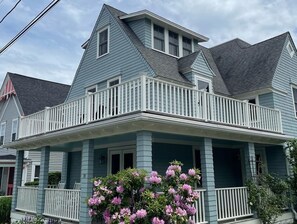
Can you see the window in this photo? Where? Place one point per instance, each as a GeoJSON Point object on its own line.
{"type": "Point", "coordinates": [295, 99]}
{"type": "Point", "coordinates": [159, 42]}
{"type": "Point", "coordinates": [36, 169]}
{"type": "Point", "coordinates": [103, 42]}
{"type": "Point", "coordinates": [187, 46]}
{"type": "Point", "coordinates": [121, 159]}
{"type": "Point", "coordinates": [113, 95]}
{"type": "Point", "coordinates": [2, 132]}
{"type": "Point", "coordinates": [290, 49]}
{"type": "Point", "coordinates": [202, 85]}
{"type": "Point", "coordinates": [91, 89]}
{"type": "Point", "coordinates": [14, 128]}
{"type": "Point", "coordinates": [173, 43]}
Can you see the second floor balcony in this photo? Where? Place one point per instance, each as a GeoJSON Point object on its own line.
{"type": "Point", "coordinates": [151, 95]}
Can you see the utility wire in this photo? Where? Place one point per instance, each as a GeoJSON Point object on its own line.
{"type": "Point", "coordinates": [16, 4]}
{"type": "Point", "coordinates": [29, 25]}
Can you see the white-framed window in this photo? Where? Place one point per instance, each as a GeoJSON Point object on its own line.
{"type": "Point", "coordinates": [203, 84]}
{"type": "Point", "coordinates": [159, 38]}
{"type": "Point", "coordinates": [173, 43]}
{"type": "Point", "coordinates": [103, 42]}
{"type": "Point", "coordinates": [121, 158]}
{"type": "Point", "coordinates": [294, 93]}
{"type": "Point", "coordinates": [114, 81]}
{"type": "Point", "coordinates": [2, 132]}
{"type": "Point", "coordinates": [14, 129]}
{"type": "Point", "coordinates": [290, 49]}
{"type": "Point", "coordinates": [35, 171]}
{"type": "Point", "coordinates": [91, 89]}
{"type": "Point", "coordinates": [187, 46]}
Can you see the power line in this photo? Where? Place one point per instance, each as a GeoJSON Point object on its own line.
{"type": "Point", "coordinates": [29, 25]}
{"type": "Point", "coordinates": [16, 4]}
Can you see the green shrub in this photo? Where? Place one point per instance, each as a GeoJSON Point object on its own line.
{"type": "Point", "coordinates": [54, 178]}
{"type": "Point", "coordinates": [32, 184]}
{"type": "Point", "coordinates": [5, 207]}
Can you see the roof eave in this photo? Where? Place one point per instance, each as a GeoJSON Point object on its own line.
{"type": "Point", "coordinates": [147, 14]}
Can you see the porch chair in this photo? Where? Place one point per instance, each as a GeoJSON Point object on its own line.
{"type": "Point", "coordinates": [61, 185]}
{"type": "Point", "coordinates": [76, 186]}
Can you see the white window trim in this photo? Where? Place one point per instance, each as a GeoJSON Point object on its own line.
{"type": "Point", "coordinates": [16, 133]}
{"type": "Point", "coordinates": [91, 87]}
{"type": "Point", "coordinates": [166, 41]}
{"type": "Point", "coordinates": [113, 79]}
{"type": "Point", "coordinates": [34, 164]}
{"type": "Point", "coordinates": [3, 123]}
{"type": "Point", "coordinates": [204, 79]}
{"type": "Point", "coordinates": [121, 151]}
{"type": "Point", "coordinates": [294, 110]}
{"type": "Point", "coordinates": [108, 40]}
{"type": "Point", "coordinates": [290, 49]}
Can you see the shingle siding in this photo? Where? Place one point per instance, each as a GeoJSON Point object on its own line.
{"type": "Point", "coordinates": [74, 168]}
{"type": "Point", "coordinates": [122, 59]}
{"type": "Point", "coordinates": [200, 65]}
{"type": "Point", "coordinates": [276, 160]}
{"type": "Point", "coordinates": [266, 100]}
{"type": "Point", "coordinates": [142, 29]}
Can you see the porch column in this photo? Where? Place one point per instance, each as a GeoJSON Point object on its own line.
{"type": "Point", "coordinates": [144, 150]}
{"type": "Point", "coordinates": [43, 179]}
{"type": "Point", "coordinates": [17, 180]}
{"type": "Point", "coordinates": [249, 160]}
{"type": "Point", "coordinates": [208, 180]}
{"type": "Point", "coordinates": [87, 173]}
{"type": "Point", "coordinates": [64, 168]}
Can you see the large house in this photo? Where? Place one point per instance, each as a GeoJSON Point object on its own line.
{"type": "Point", "coordinates": [145, 93]}
{"type": "Point", "coordinates": [21, 96]}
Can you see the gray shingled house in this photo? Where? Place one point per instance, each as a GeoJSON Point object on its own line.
{"type": "Point", "coordinates": [21, 96]}
{"type": "Point", "coordinates": [145, 93]}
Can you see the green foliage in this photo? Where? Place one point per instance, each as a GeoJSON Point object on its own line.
{"type": "Point", "coordinates": [32, 184]}
{"type": "Point", "coordinates": [267, 196]}
{"type": "Point", "coordinates": [37, 220]}
{"type": "Point", "coordinates": [5, 207]}
{"type": "Point", "coordinates": [54, 178]}
{"type": "Point", "coordinates": [292, 157]}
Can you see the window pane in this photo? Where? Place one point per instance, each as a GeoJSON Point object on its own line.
{"type": "Point", "coordinates": [173, 43]}
{"type": "Point", "coordinates": [252, 101]}
{"type": "Point", "coordinates": [37, 172]}
{"type": "Point", "coordinates": [187, 46]}
{"type": "Point", "coordinates": [103, 42]}
{"type": "Point", "coordinates": [114, 82]}
{"type": "Point", "coordinates": [295, 99]}
{"type": "Point", "coordinates": [159, 38]}
{"type": "Point", "coordinates": [128, 160]}
{"type": "Point", "coordinates": [115, 163]}
{"type": "Point", "coordinates": [203, 86]}
{"type": "Point", "coordinates": [103, 37]}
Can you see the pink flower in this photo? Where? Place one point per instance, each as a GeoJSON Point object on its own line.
{"type": "Point", "coordinates": [125, 211]}
{"type": "Point", "coordinates": [156, 220]}
{"type": "Point", "coordinates": [183, 176]}
{"type": "Point", "coordinates": [192, 172]}
{"type": "Point", "coordinates": [92, 212]}
{"type": "Point", "coordinates": [171, 191]}
{"type": "Point", "coordinates": [116, 201]}
{"type": "Point", "coordinates": [135, 174]}
{"type": "Point", "coordinates": [191, 210]}
{"type": "Point", "coordinates": [168, 210]}
{"type": "Point", "coordinates": [175, 168]}
{"type": "Point", "coordinates": [132, 218]}
{"type": "Point", "coordinates": [106, 216]}
{"type": "Point", "coordinates": [120, 189]}
{"type": "Point", "coordinates": [187, 188]}
{"type": "Point", "coordinates": [181, 212]}
{"type": "Point", "coordinates": [95, 201]}
{"type": "Point", "coordinates": [141, 213]}
{"type": "Point", "coordinates": [97, 183]}
{"type": "Point", "coordinates": [154, 173]}
{"type": "Point", "coordinates": [170, 173]}
{"type": "Point", "coordinates": [155, 180]}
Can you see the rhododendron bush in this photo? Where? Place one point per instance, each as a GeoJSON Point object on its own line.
{"type": "Point", "coordinates": [133, 196]}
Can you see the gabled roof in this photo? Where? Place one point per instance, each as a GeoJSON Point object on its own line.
{"type": "Point", "coordinates": [36, 94]}
{"type": "Point", "coordinates": [163, 65]}
{"type": "Point", "coordinates": [246, 67]}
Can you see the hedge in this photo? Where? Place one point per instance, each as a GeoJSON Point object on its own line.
{"type": "Point", "coordinates": [5, 207]}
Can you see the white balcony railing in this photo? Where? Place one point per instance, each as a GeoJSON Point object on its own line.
{"type": "Point", "coordinates": [232, 203]}
{"type": "Point", "coordinates": [200, 207]}
{"type": "Point", "coordinates": [62, 203]}
{"type": "Point", "coordinates": [27, 199]}
{"type": "Point", "coordinates": [152, 95]}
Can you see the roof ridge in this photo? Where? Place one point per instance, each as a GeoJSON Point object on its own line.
{"type": "Point", "coordinates": [269, 39]}
{"type": "Point", "coordinates": [229, 41]}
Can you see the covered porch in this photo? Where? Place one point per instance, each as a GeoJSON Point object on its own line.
{"type": "Point", "coordinates": [225, 166]}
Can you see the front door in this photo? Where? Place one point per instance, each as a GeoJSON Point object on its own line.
{"type": "Point", "coordinates": [121, 159]}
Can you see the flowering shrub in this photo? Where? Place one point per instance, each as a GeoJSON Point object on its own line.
{"type": "Point", "coordinates": [131, 196]}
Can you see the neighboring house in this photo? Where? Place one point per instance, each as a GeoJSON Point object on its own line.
{"type": "Point", "coordinates": [146, 93]}
{"type": "Point", "coordinates": [21, 96]}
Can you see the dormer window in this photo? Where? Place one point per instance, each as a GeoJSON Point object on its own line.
{"type": "Point", "coordinates": [187, 46]}
{"type": "Point", "coordinates": [103, 42]}
{"type": "Point", "coordinates": [159, 38]}
{"type": "Point", "coordinates": [173, 43]}
{"type": "Point", "coordinates": [290, 49]}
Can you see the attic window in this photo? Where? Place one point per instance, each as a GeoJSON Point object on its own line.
{"type": "Point", "coordinates": [290, 49]}
{"type": "Point", "coordinates": [103, 42]}
{"type": "Point", "coordinates": [173, 43]}
{"type": "Point", "coordinates": [159, 39]}
{"type": "Point", "coordinates": [187, 46]}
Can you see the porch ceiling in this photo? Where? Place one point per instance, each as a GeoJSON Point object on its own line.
{"type": "Point", "coordinates": [151, 122]}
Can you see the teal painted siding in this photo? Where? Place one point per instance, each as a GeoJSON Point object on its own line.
{"type": "Point", "coordinates": [200, 65]}
{"type": "Point", "coordinates": [142, 29]}
{"type": "Point", "coordinates": [228, 170]}
{"type": "Point", "coordinates": [123, 59]}
{"type": "Point", "coordinates": [285, 75]}
{"type": "Point", "coordinates": [266, 100]}
{"type": "Point", "coordinates": [100, 170]}
{"type": "Point", "coordinates": [74, 168]}
{"type": "Point", "coordinates": [163, 154]}
{"type": "Point", "coordinates": [276, 161]}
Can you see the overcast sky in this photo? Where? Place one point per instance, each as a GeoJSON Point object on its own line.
{"type": "Point", "coordinates": [51, 50]}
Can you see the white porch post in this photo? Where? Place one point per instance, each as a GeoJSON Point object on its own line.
{"type": "Point", "coordinates": [43, 179]}
{"type": "Point", "coordinates": [208, 180]}
{"type": "Point", "coordinates": [249, 160]}
{"type": "Point", "coordinates": [17, 181]}
{"type": "Point", "coordinates": [87, 172]}
{"type": "Point", "coordinates": [144, 150]}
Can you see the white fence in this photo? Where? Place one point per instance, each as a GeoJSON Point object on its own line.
{"type": "Point", "coordinates": [27, 199]}
{"type": "Point", "coordinates": [200, 206]}
{"type": "Point", "coordinates": [232, 203]}
{"type": "Point", "coordinates": [150, 94]}
{"type": "Point", "coordinates": [62, 203]}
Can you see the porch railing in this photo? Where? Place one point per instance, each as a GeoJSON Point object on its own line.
{"type": "Point", "coordinates": [232, 203]}
{"type": "Point", "coordinates": [200, 207]}
{"type": "Point", "coordinates": [27, 199]}
{"type": "Point", "coordinates": [150, 94]}
{"type": "Point", "coordinates": [62, 203]}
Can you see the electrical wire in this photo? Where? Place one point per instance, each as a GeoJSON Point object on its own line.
{"type": "Point", "coordinates": [29, 25]}
{"type": "Point", "coordinates": [16, 4]}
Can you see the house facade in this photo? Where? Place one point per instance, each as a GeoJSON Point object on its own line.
{"type": "Point", "coordinates": [21, 96]}
{"type": "Point", "coordinates": [146, 93]}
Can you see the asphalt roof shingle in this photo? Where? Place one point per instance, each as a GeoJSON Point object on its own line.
{"type": "Point", "coordinates": [36, 94]}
